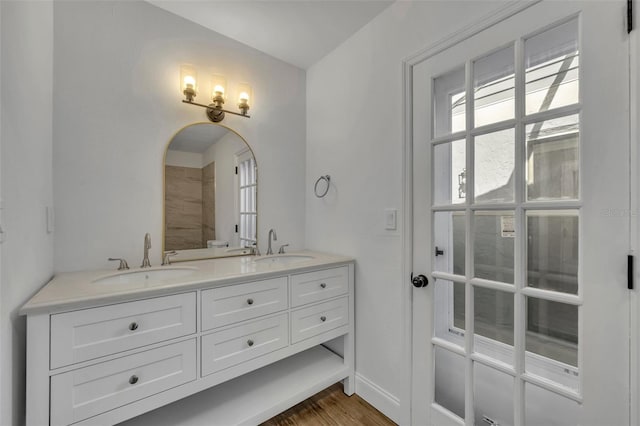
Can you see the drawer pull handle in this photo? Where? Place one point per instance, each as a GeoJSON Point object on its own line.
{"type": "Point", "coordinates": [133, 379]}
{"type": "Point", "coordinates": [250, 342]}
{"type": "Point", "coordinates": [323, 318]}
{"type": "Point", "coordinates": [133, 326]}
{"type": "Point", "coordinates": [249, 301]}
{"type": "Point", "coordinates": [323, 285]}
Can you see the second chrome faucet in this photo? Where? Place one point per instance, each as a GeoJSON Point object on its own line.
{"type": "Point", "coordinates": [272, 233]}
{"type": "Point", "coordinates": [147, 246]}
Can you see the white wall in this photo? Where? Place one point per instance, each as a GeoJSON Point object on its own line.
{"type": "Point", "coordinates": [354, 134]}
{"type": "Point", "coordinates": [26, 189]}
{"type": "Point", "coordinates": [117, 104]}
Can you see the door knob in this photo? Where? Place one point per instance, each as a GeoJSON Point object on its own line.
{"type": "Point", "coordinates": [419, 281]}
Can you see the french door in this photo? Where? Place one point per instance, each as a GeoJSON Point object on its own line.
{"type": "Point", "coordinates": [520, 178]}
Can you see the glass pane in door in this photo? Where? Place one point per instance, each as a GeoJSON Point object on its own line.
{"type": "Point", "coordinates": [493, 245]}
{"type": "Point", "coordinates": [552, 341]}
{"type": "Point", "coordinates": [449, 297]}
{"type": "Point", "coordinates": [449, 173]}
{"type": "Point", "coordinates": [493, 393]}
{"type": "Point", "coordinates": [493, 164]}
{"type": "Point", "coordinates": [552, 159]}
{"type": "Point", "coordinates": [449, 103]}
{"type": "Point", "coordinates": [546, 408]}
{"type": "Point", "coordinates": [449, 237]}
{"type": "Point", "coordinates": [553, 250]}
{"type": "Point", "coordinates": [494, 87]}
{"type": "Point", "coordinates": [449, 380]}
{"type": "Point", "coordinates": [552, 63]}
{"type": "Point", "coordinates": [493, 323]}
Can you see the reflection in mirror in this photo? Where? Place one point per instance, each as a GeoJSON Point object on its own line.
{"type": "Point", "coordinates": [210, 193]}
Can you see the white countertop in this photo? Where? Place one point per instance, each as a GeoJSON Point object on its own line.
{"type": "Point", "coordinates": [73, 290]}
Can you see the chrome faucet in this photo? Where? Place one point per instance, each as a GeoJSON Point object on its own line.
{"type": "Point", "coordinates": [166, 260]}
{"type": "Point", "coordinates": [147, 246]}
{"type": "Point", "coordinates": [123, 263]}
{"type": "Point", "coordinates": [275, 238]}
{"type": "Point", "coordinates": [281, 251]}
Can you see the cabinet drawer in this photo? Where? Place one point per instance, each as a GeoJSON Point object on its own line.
{"type": "Point", "coordinates": [91, 333]}
{"type": "Point", "coordinates": [86, 392]}
{"type": "Point", "coordinates": [319, 285]}
{"type": "Point", "coordinates": [317, 319]}
{"type": "Point", "coordinates": [235, 303]}
{"type": "Point", "coordinates": [232, 346]}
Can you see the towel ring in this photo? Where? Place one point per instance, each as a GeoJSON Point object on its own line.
{"type": "Point", "coordinates": [325, 178]}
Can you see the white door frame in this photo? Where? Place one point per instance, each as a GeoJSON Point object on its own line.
{"type": "Point", "coordinates": [497, 16]}
{"type": "Point", "coordinates": [634, 205]}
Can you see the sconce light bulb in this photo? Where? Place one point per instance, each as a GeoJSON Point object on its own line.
{"type": "Point", "coordinates": [244, 97]}
{"type": "Point", "coordinates": [219, 90]}
{"type": "Point", "coordinates": [189, 82]}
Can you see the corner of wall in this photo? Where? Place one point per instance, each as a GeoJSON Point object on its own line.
{"type": "Point", "coordinates": [383, 401]}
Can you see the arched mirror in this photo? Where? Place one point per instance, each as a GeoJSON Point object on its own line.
{"type": "Point", "coordinates": [210, 193]}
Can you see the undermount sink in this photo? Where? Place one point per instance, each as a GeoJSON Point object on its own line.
{"type": "Point", "coordinates": [283, 259]}
{"type": "Point", "coordinates": [146, 275]}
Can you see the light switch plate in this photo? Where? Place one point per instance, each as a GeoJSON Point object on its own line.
{"type": "Point", "coordinates": [390, 219]}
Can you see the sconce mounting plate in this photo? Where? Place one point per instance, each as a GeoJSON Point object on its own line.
{"type": "Point", "coordinates": [215, 114]}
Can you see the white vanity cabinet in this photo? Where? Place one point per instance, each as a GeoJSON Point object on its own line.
{"type": "Point", "coordinates": [250, 348]}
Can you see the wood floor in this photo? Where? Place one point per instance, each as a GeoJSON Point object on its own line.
{"type": "Point", "coordinates": [331, 407]}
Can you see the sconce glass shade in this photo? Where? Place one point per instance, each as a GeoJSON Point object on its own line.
{"type": "Point", "coordinates": [245, 95]}
{"type": "Point", "coordinates": [218, 86]}
{"type": "Point", "coordinates": [188, 82]}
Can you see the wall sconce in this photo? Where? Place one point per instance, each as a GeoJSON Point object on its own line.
{"type": "Point", "coordinates": [462, 183]}
{"type": "Point", "coordinates": [215, 110]}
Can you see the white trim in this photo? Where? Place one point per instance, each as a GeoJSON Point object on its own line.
{"type": "Point", "coordinates": [489, 20]}
{"type": "Point", "coordinates": [383, 401]}
{"type": "Point", "coordinates": [407, 242]}
{"type": "Point", "coordinates": [634, 300]}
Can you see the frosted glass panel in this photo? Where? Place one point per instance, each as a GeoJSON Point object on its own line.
{"type": "Point", "coordinates": [545, 408]}
{"type": "Point", "coordinates": [449, 103]}
{"type": "Point", "coordinates": [449, 378]}
{"type": "Point", "coordinates": [493, 396]}
{"type": "Point", "coordinates": [493, 87]}
{"type": "Point", "coordinates": [494, 162]}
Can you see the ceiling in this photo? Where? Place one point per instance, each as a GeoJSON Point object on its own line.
{"type": "Point", "coordinates": [299, 32]}
{"type": "Point", "coordinates": [197, 138]}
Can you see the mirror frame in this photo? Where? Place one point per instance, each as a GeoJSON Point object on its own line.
{"type": "Point", "coordinates": [203, 255]}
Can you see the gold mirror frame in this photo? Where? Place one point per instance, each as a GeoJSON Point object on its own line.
{"type": "Point", "coordinates": [181, 257]}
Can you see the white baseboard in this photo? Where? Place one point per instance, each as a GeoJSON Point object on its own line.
{"type": "Point", "coordinates": [383, 401]}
